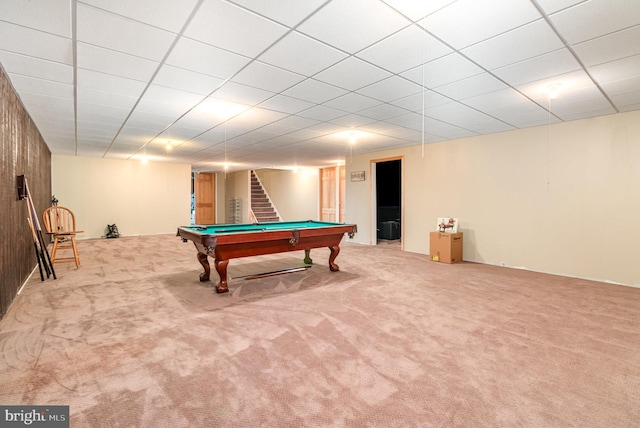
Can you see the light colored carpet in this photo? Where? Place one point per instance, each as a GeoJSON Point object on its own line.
{"type": "Point", "coordinates": [133, 339]}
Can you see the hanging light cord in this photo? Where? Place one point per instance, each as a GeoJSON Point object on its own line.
{"type": "Point", "coordinates": [424, 48]}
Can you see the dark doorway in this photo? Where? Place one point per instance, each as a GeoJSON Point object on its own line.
{"type": "Point", "coordinates": [389, 197]}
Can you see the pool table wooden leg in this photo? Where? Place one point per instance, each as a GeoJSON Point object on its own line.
{"type": "Point", "coordinates": [335, 250]}
{"type": "Point", "coordinates": [221, 267]}
{"type": "Point", "coordinates": [307, 258]}
{"type": "Point", "coordinates": [202, 258]}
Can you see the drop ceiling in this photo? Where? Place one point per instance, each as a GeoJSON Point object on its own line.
{"type": "Point", "coordinates": [285, 83]}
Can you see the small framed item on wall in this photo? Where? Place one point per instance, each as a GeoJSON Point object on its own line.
{"type": "Point", "coordinates": [357, 176]}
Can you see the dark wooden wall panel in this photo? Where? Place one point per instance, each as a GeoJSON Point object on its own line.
{"type": "Point", "coordinates": [23, 152]}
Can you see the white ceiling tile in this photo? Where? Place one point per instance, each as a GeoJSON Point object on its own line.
{"type": "Point", "coordinates": [131, 138]}
{"type": "Point", "coordinates": [352, 25]}
{"type": "Point", "coordinates": [328, 128]}
{"type": "Point", "coordinates": [595, 18]}
{"type": "Point", "coordinates": [301, 54]}
{"type": "Point", "coordinates": [390, 89]}
{"type": "Point", "coordinates": [610, 47]}
{"type": "Point", "coordinates": [404, 50]}
{"type": "Point", "coordinates": [321, 113]}
{"type": "Point", "coordinates": [40, 105]}
{"type": "Point", "coordinates": [101, 116]}
{"type": "Point", "coordinates": [38, 44]}
{"type": "Point", "coordinates": [571, 86]}
{"type": "Point", "coordinates": [493, 100]}
{"type": "Point", "coordinates": [383, 112]}
{"type": "Point", "coordinates": [35, 67]}
{"type": "Point", "coordinates": [522, 115]}
{"type": "Point", "coordinates": [164, 108]}
{"type": "Point", "coordinates": [490, 126]}
{"type": "Point", "coordinates": [91, 150]}
{"type": "Point", "coordinates": [351, 102]}
{"type": "Point", "coordinates": [441, 71]}
{"type": "Point", "coordinates": [385, 128]}
{"type": "Point", "coordinates": [188, 126]}
{"type": "Point", "coordinates": [293, 123]}
{"type": "Point", "coordinates": [107, 82]}
{"type": "Point", "coordinates": [51, 16]}
{"type": "Point", "coordinates": [215, 111]}
{"type": "Point", "coordinates": [444, 129]}
{"type": "Point", "coordinates": [287, 12]}
{"type": "Point", "coordinates": [256, 118]}
{"type": "Point", "coordinates": [226, 26]}
{"type": "Point", "coordinates": [352, 120]}
{"type": "Point", "coordinates": [153, 122]}
{"type": "Point", "coordinates": [628, 100]}
{"type": "Point", "coordinates": [284, 127]}
{"type": "Point", "coordinates": [105, 98]}
{"type": "Point", "coordinates": [457, 114]}
{"type": "Point", "coordinates": [167, 14]}
{"type": "Point", "coordinates": [114, 62]}
{"type": "Point", "coordinates": [616, 70]}
{"type": "Point", "coordinates": [472, 86]}
{"type": "Point", "coordinates": [551, 6]}
{"type": "Point", "coordinates": [515, 45]}
{"type": "Point", "coordinates": [285, 104]}
{"type": "Point", "coordinates": [26, 84]}
{"type": "Point", "coordinates": [424, 99]}
{"type": "Point", "coordinates": [314, 91]}
{"type": "Point", "coordinates": [242, 94]}
{"type": "Point", "coordinates": [185, 80]}
{"type": "Point", "coordinates": [268, 77]}
{"type": "Point", "coordinates": [543, 66]}
{"type": "Point", "coordinates": [101, 28]}
{"type": "Point", "coordinates": [467, 22]}
{"type": "Point", "coordinates": [206, 59]}
{"type": "Point", "coordinates": [629, 85]}
{"type": "Point", "coordinates": [352, 74]}
{"type": "Point", "coordinates": [583, 109]}
{"type": "Point", "coordinates": [416, 10]}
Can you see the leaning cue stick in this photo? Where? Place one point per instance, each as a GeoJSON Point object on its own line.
{"type": "Point", "coordinates": [35, 245]}
{"type": "Point", "coordinates": [43, 244]}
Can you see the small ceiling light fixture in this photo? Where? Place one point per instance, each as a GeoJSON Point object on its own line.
{"type": "Point", "coordinates": [553, 90]}
{"type": "Point", "coordinates": [169, 146]}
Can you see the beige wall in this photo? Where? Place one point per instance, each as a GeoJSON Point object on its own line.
{"type": "Point", "coordinates": [296, 195]}
{"type": "Point", "coordinates": [141, 199]}
{"type": "Point", "coordinates": [561, 199]}
{"type": "Point", "coordinates": [237, 185]}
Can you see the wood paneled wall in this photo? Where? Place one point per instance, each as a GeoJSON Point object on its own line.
{"type": "Point", "coordinates": [22, 152]}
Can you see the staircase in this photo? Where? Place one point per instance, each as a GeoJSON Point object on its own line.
{"type": "Point", "coordinates": [261, 205]}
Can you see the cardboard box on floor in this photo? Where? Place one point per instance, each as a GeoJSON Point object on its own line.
{"type": "Point", "coordinates": [445, 247]}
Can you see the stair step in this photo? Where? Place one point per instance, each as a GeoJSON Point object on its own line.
{"type": "Point", "coordinates": [261, 205]}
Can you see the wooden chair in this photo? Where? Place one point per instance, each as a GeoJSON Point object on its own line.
{"type": "Point", "coordinates": [60, 223]}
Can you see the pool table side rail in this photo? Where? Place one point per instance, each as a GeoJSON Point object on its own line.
{"type": "Point", "coordinates": [212, 240]}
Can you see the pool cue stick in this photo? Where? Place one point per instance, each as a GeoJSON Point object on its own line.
{"type": "Point", "coordinates": [43, 244]}
{"type": "Point", "coordinates": [39, 248]}
{"type": "Point", "coordinates": [35, 245]}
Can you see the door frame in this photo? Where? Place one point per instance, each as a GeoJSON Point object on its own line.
{"type": "Point", "coordinates": [374, 201]}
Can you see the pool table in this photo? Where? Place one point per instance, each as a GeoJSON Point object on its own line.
{"type": "Point", "coordinates": [227, 241]}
